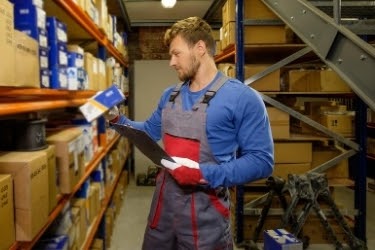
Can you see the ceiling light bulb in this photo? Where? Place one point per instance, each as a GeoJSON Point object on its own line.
{"type": "Point", "coordinates": [168, 3]}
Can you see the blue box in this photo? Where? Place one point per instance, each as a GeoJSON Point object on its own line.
{"type": "Point", "coordinates": [84, 190]}
{"type": "Point", "coordinates": [280, 239]}
{"type": "Point", "coordinates": [29, 14]}
{"type": "Point", "coordinates": [101, 103]}
{"type": "Point", "coordinates": [37, 3]}
{"type": "Point", "coordinates": [58, 55]}
{"type": "Point", "coordinates": [33, 31]}
{"type": "Point", "coordinates": [75, 59]}
{"type": "Point", "coordinates": [56, 30]}
{"type": "Point", "coordinates": [44, 78]}
{"type": "Point", "coordinates": [43, 58]}
{"type": "Point", "coordinates": [76, 78]}
{"type": "Point", "coordinates": [58, 77]}
{"type": "Point", "coordinates": [54, 243]}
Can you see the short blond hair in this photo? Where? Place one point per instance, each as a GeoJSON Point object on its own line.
{"type": "Point", "coordinates": [192, 30]}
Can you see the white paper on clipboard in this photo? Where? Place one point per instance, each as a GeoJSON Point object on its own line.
{"type": "Point", "coordinates": [143, 142]}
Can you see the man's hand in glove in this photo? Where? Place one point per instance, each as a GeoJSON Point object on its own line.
{"type": "Point", "coordinates": [112, 115]}
{"type": "Point", "coordinates": [185, 171]}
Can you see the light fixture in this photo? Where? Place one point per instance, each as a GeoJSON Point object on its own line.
{"type": "Point", "coordinates": [168, 3]}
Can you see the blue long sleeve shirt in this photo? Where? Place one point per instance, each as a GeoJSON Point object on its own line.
{"type": "Point", "coordinates": [237, 121]}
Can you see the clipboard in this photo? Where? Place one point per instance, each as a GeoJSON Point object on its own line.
{"type": "Point", "coordinates": [143, 142]}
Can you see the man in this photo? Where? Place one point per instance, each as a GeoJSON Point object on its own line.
{"type": "Point", "coordinates": [217, 131]}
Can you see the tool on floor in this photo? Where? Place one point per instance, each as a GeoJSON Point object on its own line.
{"type": "Point", "coordinates": [277, 187]}
{"type": "Point", "coordinates": [305, 189]}
{"type": "Point", "coordinates": [308, 188]}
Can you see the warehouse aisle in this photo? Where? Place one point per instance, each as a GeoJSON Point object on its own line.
{"type": "Point", "coordinates": [130, 223]}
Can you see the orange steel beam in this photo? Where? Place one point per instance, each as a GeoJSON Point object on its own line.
{"type": "Point", "coordinates": [33, 106]}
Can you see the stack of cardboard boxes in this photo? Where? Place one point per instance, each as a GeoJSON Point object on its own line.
{"type": "Point", "coordinates": [253, 34]}
{"type": "Point", "coordinates": [18, 49]}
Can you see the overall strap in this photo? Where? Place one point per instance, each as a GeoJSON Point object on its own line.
{"type": "Point", "coordinates": [206, 98]}
{"type": "Point", "coordinates": [175, 92]}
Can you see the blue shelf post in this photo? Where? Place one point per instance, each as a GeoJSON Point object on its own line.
{"type": "Point", "coordinates": [361, 171]}
{"type": "Point", "coordinates": [240, 61]}
{"type": "Point", "coordinates": [102, 53]}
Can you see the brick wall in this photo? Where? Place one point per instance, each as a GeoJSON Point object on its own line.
{"type": "Point", "coordinates": [146, 43]}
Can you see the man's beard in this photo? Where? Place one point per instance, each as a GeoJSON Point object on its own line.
{"type": "Point", "coordinates": [191, 71]}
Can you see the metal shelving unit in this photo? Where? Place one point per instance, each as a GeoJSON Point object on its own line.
{"type": "Point", "coordinates": [65, 199]}
{"type": "Point", "coordinates": [339, 48]}
{"type": "Point", "coordinates": [16, 101]}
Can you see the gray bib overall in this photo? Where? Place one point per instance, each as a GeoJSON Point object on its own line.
{"type": "Point", "coordinates": [188, 217]}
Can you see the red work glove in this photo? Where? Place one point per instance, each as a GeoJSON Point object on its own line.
{"type": "Point", "coordinates": [184, 171]}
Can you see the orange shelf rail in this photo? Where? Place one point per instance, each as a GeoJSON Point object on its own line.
{"type": "Point", "coordinates": [85, 21]}
{"type": "Point", "coordinates": [23, 100]}
{"type": "Point", "coordinates": [227, 54]}
{"type": "Point", "coordinates": [65, 198]}
{"type": "Point", "coordinates": [17, 92]}
{"type": "Point", "coordinates": [23, 107]}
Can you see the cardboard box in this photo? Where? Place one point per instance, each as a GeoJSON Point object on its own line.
{"type": "Point", "coordinates": [330, 81]}
{"type": "Point", "coordinates": [270, 82]}
{"type": "Point", "coordinates": [339, 123]}
{"type": "Point", "coordinates": [293, 152]}
{"type": "Point", "coordinates": [27, 61]}
{"type": "Point", "coordinates": [52, 176]}
{"type": "Point", "coordinates": [88, 64]}
{"type": "Point", "coordinates": [302, 80]}
{"type": "Point", "coordinates": [280, 123]}
{"type": "Point", "coordinates": [280, 239]}
{"type": "Point", "coordinates": [30, 177]}
{"type": "Point", "coordinates": [283, 169]}
{"type": "Point", "coordinates": [102, 77]}
{"type": "Point", "coordinates": [263, 34]}
{"type": "Point", "coordinates": [83, 220]}
{"type": "Point", "coordinates": [324, 154]}
{"type": "Point", "coordinates": [253, 9]}
{"type": "Point", "coordinates": [101, 103]}
{"type": "Point", "coordinates": [102, 8]}
{"type": "Point", "coordinates": [7, 229]}
{"type": "Point", "coordinates": [94, 200]}
{"type": "Point", "coordinates": [70, 158]}
{"type": "Point", "coordinates": [7, 46]}
{"type": "Point", "coordinates": [97, 244]}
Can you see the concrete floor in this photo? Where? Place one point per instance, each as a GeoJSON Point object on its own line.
{"type": "Point", "coordinates": [130, 223]}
